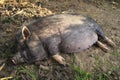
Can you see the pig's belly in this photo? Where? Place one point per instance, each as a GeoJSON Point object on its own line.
{"type": "Point", "coordinates": [78, 41]}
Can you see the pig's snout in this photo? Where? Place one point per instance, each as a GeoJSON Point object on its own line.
{"type": "Point", "coordinates": [17, 58]}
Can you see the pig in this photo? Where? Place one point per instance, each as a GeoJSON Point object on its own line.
{"type": "Point", "coordinates": [55, 34]}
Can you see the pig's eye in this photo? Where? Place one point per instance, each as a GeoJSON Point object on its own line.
{"type": "Point", "coordinates": [21, 42]}
{"type": "Point", "coordinates": [21, 45]}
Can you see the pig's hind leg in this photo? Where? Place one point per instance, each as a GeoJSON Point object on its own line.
{"type": "Point", "coordinates": [101, 35]}
{"type": "Point", "coordinates": [102, 46]}
{"type": "Point", "coordinates": [52, 45]}
{"type": "Point", "coordinates": [109, 41]}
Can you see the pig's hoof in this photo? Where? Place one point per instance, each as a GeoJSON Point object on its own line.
{"type": "Point", "coordinates": [110, 42]}
{"type": "Point", "coordinates": [59, 59]}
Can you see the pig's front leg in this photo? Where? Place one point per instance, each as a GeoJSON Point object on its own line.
{"type": "Point", "coordinates": [59, 59]}
{"type": "Point", "coordinates": [53, 48]}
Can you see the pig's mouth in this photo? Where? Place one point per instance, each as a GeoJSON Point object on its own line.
{"type": "Point", "coordinates": [13, 61]}
{"type": "Point", "coordinates": [17, 58]}
{"type": "Point", "coordinates": [22, 57]}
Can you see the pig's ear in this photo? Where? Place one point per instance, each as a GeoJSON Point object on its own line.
{"type": "Point", "coordinates": [25, 32]}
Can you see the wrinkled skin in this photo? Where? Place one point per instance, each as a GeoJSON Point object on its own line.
{"type": "Point", "coordinates": [60, 33]}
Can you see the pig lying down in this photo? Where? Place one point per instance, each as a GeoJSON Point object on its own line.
{"type": "Point", "coordinates": [55, 34]}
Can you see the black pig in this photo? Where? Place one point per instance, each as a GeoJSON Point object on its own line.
{"type": "Point", "coordinates": [55, 34]}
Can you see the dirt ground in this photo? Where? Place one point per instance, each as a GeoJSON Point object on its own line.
{"type": "Point", "coordinates": [93, 60]}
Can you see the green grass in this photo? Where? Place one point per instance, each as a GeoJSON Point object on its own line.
{"type": "Point", "coordinates": [80, 74]}
{"type": "Point", "coordinates": [101, 76]}
{"type": "Point", "coordinates": [97, 73]}
{"type": "Point", "coordinates": [27, 72]}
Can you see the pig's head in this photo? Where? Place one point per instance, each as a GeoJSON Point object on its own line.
{"type": "Point", "coordinates": [30, 48]}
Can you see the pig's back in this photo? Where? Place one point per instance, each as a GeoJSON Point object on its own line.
{"type": "Point", "coordinates": [60, 23]}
